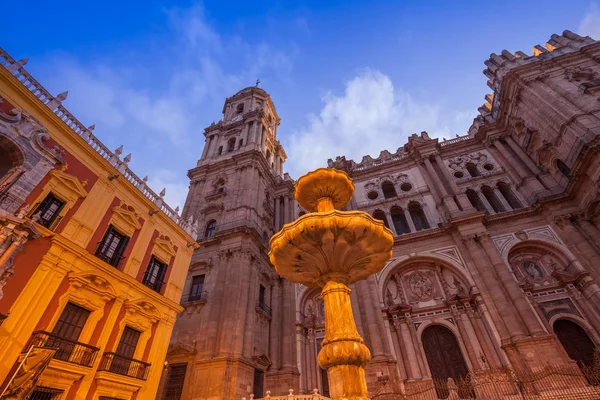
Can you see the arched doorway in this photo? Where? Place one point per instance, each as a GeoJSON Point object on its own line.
{"type": "Point", "coordinates": [444, 357]}
{"type": "Point", "coordinates": [576, 341]}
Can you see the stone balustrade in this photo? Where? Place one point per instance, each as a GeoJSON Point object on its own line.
{"type": "Point", "coordinates": [291, 396]}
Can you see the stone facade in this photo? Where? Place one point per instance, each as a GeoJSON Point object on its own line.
{"type": "Point", "coordinates": [497, 252]}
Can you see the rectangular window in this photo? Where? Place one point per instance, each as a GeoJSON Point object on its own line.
{"type": "Point", "coordinates": [71, 322]}
{"type": "Point", "coordinates": [128, 342]}
{"type": "Point", "coordinates": [67, 330]}
{"type": "Point", "coordinates": [48, 210]}
{"type": "Point", "coordinates": [174, 387]}
{"type": "Point", "coordinates": [112, 246]}
{"type": "Point", "coordinates": [196, 289]}
{"type": "Point", "coordinates": [155, 274]}
{"type": "Point", "coordinates": [42, 393]}
{"type": "Point", "coordinates": [261, 294]}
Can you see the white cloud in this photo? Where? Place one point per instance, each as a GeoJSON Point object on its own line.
{"type": "Point", "coordinates": [372, 115]}
{"type": "Point", "coordinates": [157, 99]}
{"type": "Point", "coordinates": [590, 24]}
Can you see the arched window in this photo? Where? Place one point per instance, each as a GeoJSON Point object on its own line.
{"type": "Point", "coordinates": [490, 196]}
{"type": "Point", "coordinates": [231, 145]}
{"type": "Point", "coordinates": [10, 157]}
{"type": "Point", "coordinates": [475, 200]}
{"type": "Point", "coordinates": [562, 167]}
{"type": "Point", "coordinates": [388, 190]}
{"type": "Point", "coordinates": [380, 215]}
{"type": "Point", "coordinates": [399, 221]}
{"type": "Point", "coordinates": [241, 143]}
{"type": "Point", "coordinates": [268, 155]}
{"type": "Point", "coordinates": [211, 228]}
{"type": "Point", "coordinates": [418, 216]}
{"type": "Point", "coordinates": [445, 359]}
{"type": "Point", "coordinates": [220, 151]}
{"type": "Point", "coordinates": [472, 170]}
{"type": "Point", "coordinates": [576, 341]}
{"type": "Point", "coordinates": [509, 196]}
{"type": "Point", "coordinates": [240, 108]}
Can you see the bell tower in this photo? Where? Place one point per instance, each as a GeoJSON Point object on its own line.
{"type": "Point", "coordinates": [236, 335]}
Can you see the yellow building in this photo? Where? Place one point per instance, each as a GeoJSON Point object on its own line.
{"type": "Point", "coordinates": [92, 262]}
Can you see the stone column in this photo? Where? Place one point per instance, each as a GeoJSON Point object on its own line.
{"type": "Point", "coordinates": [277, 214]}
{"type": "Point", "coordinates": [274, 330]}
{"type": "Point", "coordinates": [412, 353]}
{"type": "Point", "coordinates": [289, 328]}
{"type": "Point", "coordinates": [464, 202]}
{"type": "Point", "coordinates": [498, 152]}
{"type": "Point", "coordinates": [491, 356]}
{"type": "Point", "coordinates": [589, 231]}
{"type": "Point", "coordinates": [286, 210]}
{"type": "Point", "coordinates": [519, 300]}
{"type": "Point", "coordinates": [529, 177]}
{"type": "Point", "coordinates": [412, 331]}
{"type": "Point", "coordinates": [509, 326]}
{"type": "Point", "coordinates": [248, 348]}
{"type": "Point", "coordinates": [501, 199]}
{"type": "Point", "coordinates": [374, 337]}
{"type": "Point", "coordinates": [522, 156]}
{"type": "Point", "coordinates": [205, 150]}
{"type": "Point", "coordinates": [428, 181]}
{"type": "Point", "coordinates": [409, 220]}
{"type": "Point", "coordinates": [489, 330]}
{"type": "Point", "coordinates": [575, 240]}
{"type": "Point", "coordinates": [390, 221]}
{"type": "Point", "coordinates": [485, 202]}
{"type": "Point", "coordinates": [400, 350]}
{"type": "Point", "coordinates": [467, 340]}
{"type": "Point", "coordinates": [450, 204]}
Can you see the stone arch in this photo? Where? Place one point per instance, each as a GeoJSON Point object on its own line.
{"type": "Point", "coordinates": [580, 350]}
{"type": "Point", "coordinates": [542, 243]}
{"type": "Point", "coordinates": [408, 262]}
{"type": "Point", "coordinates": [533, 261]}
{"type": "Point", "coordinates": [418, 216]}
{"type": "Point", "coordinates": [310, 297]}
{"type": "Point", "coordinates": [593, 210]}
{"type": "Point", "coordinates": [449, 363]}
{"type": "Point", "coordinates": [579, 321]}
{"type": "Point", "coordinates": [452, 328]}
{"type": "Point", "coordinates": [11, 156]}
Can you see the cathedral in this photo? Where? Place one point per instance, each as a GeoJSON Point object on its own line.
{"type": "Point", "coordinates": [496, 262]}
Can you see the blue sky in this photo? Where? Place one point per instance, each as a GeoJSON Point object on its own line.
{"type": "Point", "coordinates": [347, 77]}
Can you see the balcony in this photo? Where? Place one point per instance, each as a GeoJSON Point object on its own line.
{"type": "Point", "coordinates": [67, 350]}
{"type": "Point", "coordinates": [154, 285]}
{"type": "Point", "coordinates": [120, 365]}
{"type": "Point", "coordinates": [115, 262]}
{"type": "Point", "coordinates": [264, 308]}
{"type": "Point", "coordinates": [201, 297]}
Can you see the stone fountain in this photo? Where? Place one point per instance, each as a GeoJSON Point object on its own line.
{"type": "Point", "coordinates": [332, 249]}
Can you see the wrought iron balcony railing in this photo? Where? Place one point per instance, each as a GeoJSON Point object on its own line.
{"type": "Point", "coordinates": [117, 364]}
{"type": "Point", "coordinates": [264, 307]}
{"type": "Point", "coordinates": [154, 285]}
{"type": "Point", "coordinates": [66, 350]}
{"type": "Point", "coordinates": [201, 297]}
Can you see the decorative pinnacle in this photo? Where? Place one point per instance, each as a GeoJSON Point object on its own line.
{"type": "Point", "coordinates": [163, 192]}
{"type": "Point", "coordinates": [119, 150]}
{"type": "Point", "coordinates": [92, 127]}
{"type": "Point", "coordinates": [62, 96]}
{"type": "Point", "coordinates": [23, 61]}
{"type": "Point", "coordinates": [127, 158]}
